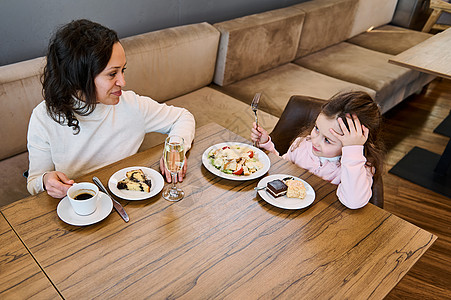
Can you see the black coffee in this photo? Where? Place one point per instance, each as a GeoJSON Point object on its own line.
{"type": "Point", "coordinates": [83, 196]}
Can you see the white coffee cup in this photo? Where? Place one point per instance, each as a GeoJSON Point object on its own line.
{"type": "Point", "coordinates": [83, 197]}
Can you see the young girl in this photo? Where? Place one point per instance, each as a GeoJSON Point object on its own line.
{"type": "Point", "coordinates": [343, 146]}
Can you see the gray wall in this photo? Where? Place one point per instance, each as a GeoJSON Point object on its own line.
{"type": "Point", "coordinates": [27, 25]}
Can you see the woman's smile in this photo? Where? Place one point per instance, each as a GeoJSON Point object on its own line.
{"type": "Point", "coordinates": [118, 93]}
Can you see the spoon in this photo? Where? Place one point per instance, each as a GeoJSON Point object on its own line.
{"type": "Point", "coordinates": [260, 188]}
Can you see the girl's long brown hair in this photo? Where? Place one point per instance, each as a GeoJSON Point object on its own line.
{"type": "Point", "coordinates": [362, 105]}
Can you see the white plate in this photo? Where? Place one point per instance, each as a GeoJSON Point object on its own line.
{"type": "Point", "coordinates": [67, 214]}
{"type": "Point", "coordinates": [264, 159]}
{"type": "Point", "coordinates": [284, 201]}
{"type": "Point", "coordinates": [155, 178]}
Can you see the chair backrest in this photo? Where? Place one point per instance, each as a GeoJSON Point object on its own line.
{"type": "Point", "coordinates": [438, 7]}
{"type": "Point", "coordinates": [299, 113]}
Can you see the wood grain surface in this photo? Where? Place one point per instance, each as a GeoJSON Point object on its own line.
{"type": "Point", "coordinates": [431, 56]}
{"type": "Point", "coordinates": [410, 124]}
{"type": "Point", "coordinates": [221, 241]}
{"type": "Point", "coordinates": [20, 275]}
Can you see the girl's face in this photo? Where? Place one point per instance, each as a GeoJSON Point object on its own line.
{"type": "Point", "coordinates": [110, 81]}
{"type": "Point", "coordinates": [324, 143]}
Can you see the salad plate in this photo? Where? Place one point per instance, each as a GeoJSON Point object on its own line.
{"type": "Point", "coordinates": [155, 177]}
{"type": "Point", "coordinates": [257, 154]}
{"type": "Point", "coordinates": [284, 201]}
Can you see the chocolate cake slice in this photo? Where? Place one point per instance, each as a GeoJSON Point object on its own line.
{"type": "Point", "coordinates": [127, 184]}
{"type": "Point", "coordinates": [276, 188]}
{"type": "Point", "coordinates": [136, 180]}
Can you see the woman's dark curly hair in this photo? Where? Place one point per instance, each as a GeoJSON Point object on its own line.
{"type": "Point", "coordinates": [77, 53]}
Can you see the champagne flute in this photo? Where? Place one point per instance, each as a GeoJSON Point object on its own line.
{"type": "Point", "coordinates": [174, 159]}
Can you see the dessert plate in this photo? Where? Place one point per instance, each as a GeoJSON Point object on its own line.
{"type": "Point", "coordinates": [284, 201]}
{"type": "Point", "coordinates": [264, 159]}
{"type": "Point", "coordinates": [67, 214]}
{"type": "Point", "coordinates": [155, 177]}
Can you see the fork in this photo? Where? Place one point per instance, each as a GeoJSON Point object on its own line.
{"type": "Point", "coordinates": [254, 106]}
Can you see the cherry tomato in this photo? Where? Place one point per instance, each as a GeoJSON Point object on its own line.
{"type": "Point", "coordinates": [226, 147]}
{"type": "Point", "coordinates": [250, 154]}
{"type": "Point", "coordinates": [239, 171]}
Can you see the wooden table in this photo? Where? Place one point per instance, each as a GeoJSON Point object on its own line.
{"type": "Point", "coordinates": [425, 168]}
{"type": "Point", "coordinates": [221, 241]}
{"type": "Point", "coordinates": [20, 276]}
{"type": "Point", "coordinates": [432, 56]}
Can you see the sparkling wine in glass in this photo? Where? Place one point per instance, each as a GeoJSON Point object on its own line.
{"type": "Point", "coordinates": [174, 159]}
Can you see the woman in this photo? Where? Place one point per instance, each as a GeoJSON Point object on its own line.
{"type": "Point", "coordinates": [86, 121]}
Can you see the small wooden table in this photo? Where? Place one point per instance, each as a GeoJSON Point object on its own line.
{"type": "Point", "coordinates": [221, 241]}
{"type": "Point", "coordinates": [425, 168]}
{"type": "Point", "coordinates": [432, 56]}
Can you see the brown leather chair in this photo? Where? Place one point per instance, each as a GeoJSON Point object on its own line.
{"type": "Point", "coordinates": [299, 113]}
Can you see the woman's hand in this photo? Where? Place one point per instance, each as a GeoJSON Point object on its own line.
{"type": "Point", "coordinates": [56, 184]}
{"type": "Point", "coordinates": [259, 135]}
{"type": "Point", "coordinates": [357, 133]}
{"type": "Point", "coordinates": [166, 174]}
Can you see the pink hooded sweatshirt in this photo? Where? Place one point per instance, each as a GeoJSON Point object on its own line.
{"type": "Point", "coordinates": [349, 172]}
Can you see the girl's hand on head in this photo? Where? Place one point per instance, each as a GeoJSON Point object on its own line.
{"type": "Point", "coordinates": [259, 135]}
{"type": "Point", "coordinates": [56, 184]}
{"type": "Point", "coordinates": [357, 133]}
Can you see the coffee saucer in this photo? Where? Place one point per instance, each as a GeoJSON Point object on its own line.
{"type": "Point", "coordinates": [67, 214]}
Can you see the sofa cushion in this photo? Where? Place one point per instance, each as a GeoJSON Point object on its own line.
{"type": "Point", "coordinates": [209, 105]}
{"type": "Point", "coordinates": [21, 91]}
{"type": "Point", "coordinates": [327, 22]}
{"type": "Point", "coordinates": [389, 39]}
{"type": "Point", "coordinates": [418, 84]}
{"type": "Point", "coordinates": [361, 66]}
{"type": "Point", "coordinates": [256, 43]}
{"type": "Point", "coordinates": [13, 184]}
{"type": "Point", "coordinates": [171, 62]}
{"type": "Point", "coordinates": [372, 13]}
{"type": "Point", "coordinates": [279, 84]}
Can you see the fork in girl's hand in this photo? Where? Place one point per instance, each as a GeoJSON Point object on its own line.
{"type": "Point", "coordinates": [254, 106]}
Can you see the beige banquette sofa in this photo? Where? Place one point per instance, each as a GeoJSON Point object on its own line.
{"type": "Point", "coordinates": [315, 48]}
